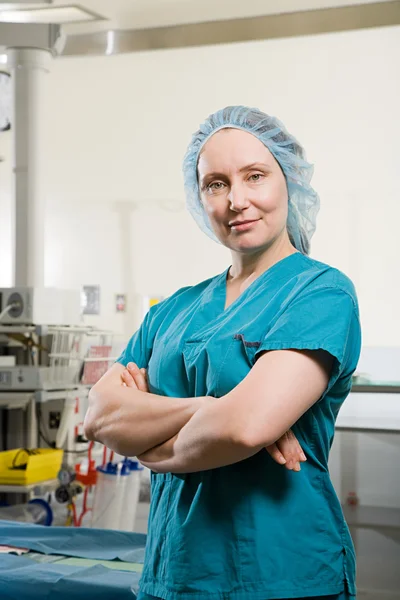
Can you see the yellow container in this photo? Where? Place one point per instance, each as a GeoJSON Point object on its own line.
{"type": "Point", "coordinates": [44, 464]}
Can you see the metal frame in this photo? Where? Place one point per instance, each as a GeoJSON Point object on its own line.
{"type": "Point", "coordinates": [379, 388]}
{"type": "Point", "coordinates": [301, 23]}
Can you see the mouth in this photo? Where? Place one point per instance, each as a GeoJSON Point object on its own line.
{"type": "Point", "coordinates": [242, 225]}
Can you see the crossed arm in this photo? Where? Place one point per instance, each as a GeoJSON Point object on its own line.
{"type": "Point", "coordinates": [182, 435]}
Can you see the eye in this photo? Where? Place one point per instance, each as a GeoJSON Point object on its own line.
{"type": "Point", "coordinates": [255, 177]}
{"type": "Point", "coordinates": [215, 186]}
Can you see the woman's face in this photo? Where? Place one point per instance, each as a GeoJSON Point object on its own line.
{"type": "Point", "coordinates": [243, 191]}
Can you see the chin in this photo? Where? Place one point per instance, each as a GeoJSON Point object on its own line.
{"type": "Point", "coordinates": [247, 244]}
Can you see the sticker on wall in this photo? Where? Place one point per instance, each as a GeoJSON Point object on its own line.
{"type": "Point", "coordinates": [91, 299]}
{"type": "Point", "coordinates": [120, 303]}
{"type": "Point", "coordinates": [149, 301]}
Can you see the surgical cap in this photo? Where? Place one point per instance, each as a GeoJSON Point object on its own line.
{"type": "Point", "coordinates": [303, 200]}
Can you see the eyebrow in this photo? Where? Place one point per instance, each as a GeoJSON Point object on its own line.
{"type": "Point", "coordinates": [253, 166]}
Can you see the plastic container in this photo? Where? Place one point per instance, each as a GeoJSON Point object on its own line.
{"type": "Point", "coordinates": [131, 498]}
{"type": "Point", "coordinates": [37, 511]}
{"type": "Point", "coordinates": [41, 464]}
{"type": "Point", "coordinates": [109, 495]}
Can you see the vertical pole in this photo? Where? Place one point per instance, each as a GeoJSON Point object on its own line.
{"type": "Point", "coordinates": [29, 67]}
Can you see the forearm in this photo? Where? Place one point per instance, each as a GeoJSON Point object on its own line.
{"type": "Point", "coordinates": [130, 421]}
{"type": "Point", "coordinates": [252, 416]}
{"type": "Point", "coordinates": [208, 441]}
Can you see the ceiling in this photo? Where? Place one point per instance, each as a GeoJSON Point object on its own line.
{"type": "Point", "coordinates": [202, 22]}
{"type": "Point", "coordinates": [138, 14]}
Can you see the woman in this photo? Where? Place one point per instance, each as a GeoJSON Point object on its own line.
{"type": "Point", "coordinates": [233, 363]}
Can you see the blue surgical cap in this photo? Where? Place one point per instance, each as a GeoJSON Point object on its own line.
{"type": "Point", "coordinates": [303, 200]}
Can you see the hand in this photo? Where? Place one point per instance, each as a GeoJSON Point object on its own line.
{"type": "Point", "coordinates": [135, 378]}
{"type": "Point", "coordinates": [287, 451]}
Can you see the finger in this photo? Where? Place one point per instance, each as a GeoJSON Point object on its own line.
{"type": "Point", "coordinates": [296, 450]}
{"type": "Point", "coordinates": [300, 454]}
{"type": "Point", "coordinates": [128, 379]}
{"type": "Point", "coordinates": [132, 367]}
{"type": "Point", "coordinates": [140, 381]}
{"type": "Point", "coordinates": [284, 446]}
{"type": "Point", "coordinates": [303, 457]}
{"type": "Point", "coordinates": [275, 453]}
{"type": "Point", "coordinates": [138, 377]}
{"type": "Point", "coordinates": [144, 373]}
{"type": "Point", "coordinates": [126, 376]}
{"type": "Point", "coordinates": [288, 448]}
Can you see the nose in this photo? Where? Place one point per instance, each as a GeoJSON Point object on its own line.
{"type": "Point", "coordinates": [238, 198]}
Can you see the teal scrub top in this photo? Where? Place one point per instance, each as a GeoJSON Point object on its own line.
{"type": "Point", "coordinates": [253, 529]}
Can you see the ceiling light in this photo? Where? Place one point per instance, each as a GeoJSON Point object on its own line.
{"type": "Point", "coordinates": [3, 59]}
{"type": "Point", "coordinates": [50, 14]}
{"type": "Point", "coordinates": [110, 42]}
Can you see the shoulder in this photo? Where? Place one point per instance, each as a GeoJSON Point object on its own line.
{"type": "Point", "coordinates": [318, 276]}
{"type": "Point", "coordinates": [185, 296]}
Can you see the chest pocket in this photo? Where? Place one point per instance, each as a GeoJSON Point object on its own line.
{"type": "Point", "coordinates": [217, 365]}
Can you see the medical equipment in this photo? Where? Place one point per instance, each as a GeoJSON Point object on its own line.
{"type": "Point", "coordinates": [36, 511]}
{"type": "Point", "coordinates": [109, 495]}
{"type": "Point", "coordinates": [45, 357]}
{"type": "Point", "coordinates": [25, 466]}
{"type": "Point", "coordinates": [36, 378]}
{"type": "Point", "coordinates": [116, 495]}
{"type": "Point", "coordinates": [303, 200]}
{"type": "Point", "coordinates": [48, 371]}
{"type": "Point", "coordinates": [131, 497]}
{"type": "Point", "coordinates": [69, 487]}
{"type": "Point", "coordinates": [33, 305]}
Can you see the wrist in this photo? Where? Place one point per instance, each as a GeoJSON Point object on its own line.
{"type": "Point", "coordinates": [202, 401]}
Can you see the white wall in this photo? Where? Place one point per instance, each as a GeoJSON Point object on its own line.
{"type": "Point", "coordinates": [117, 129]}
